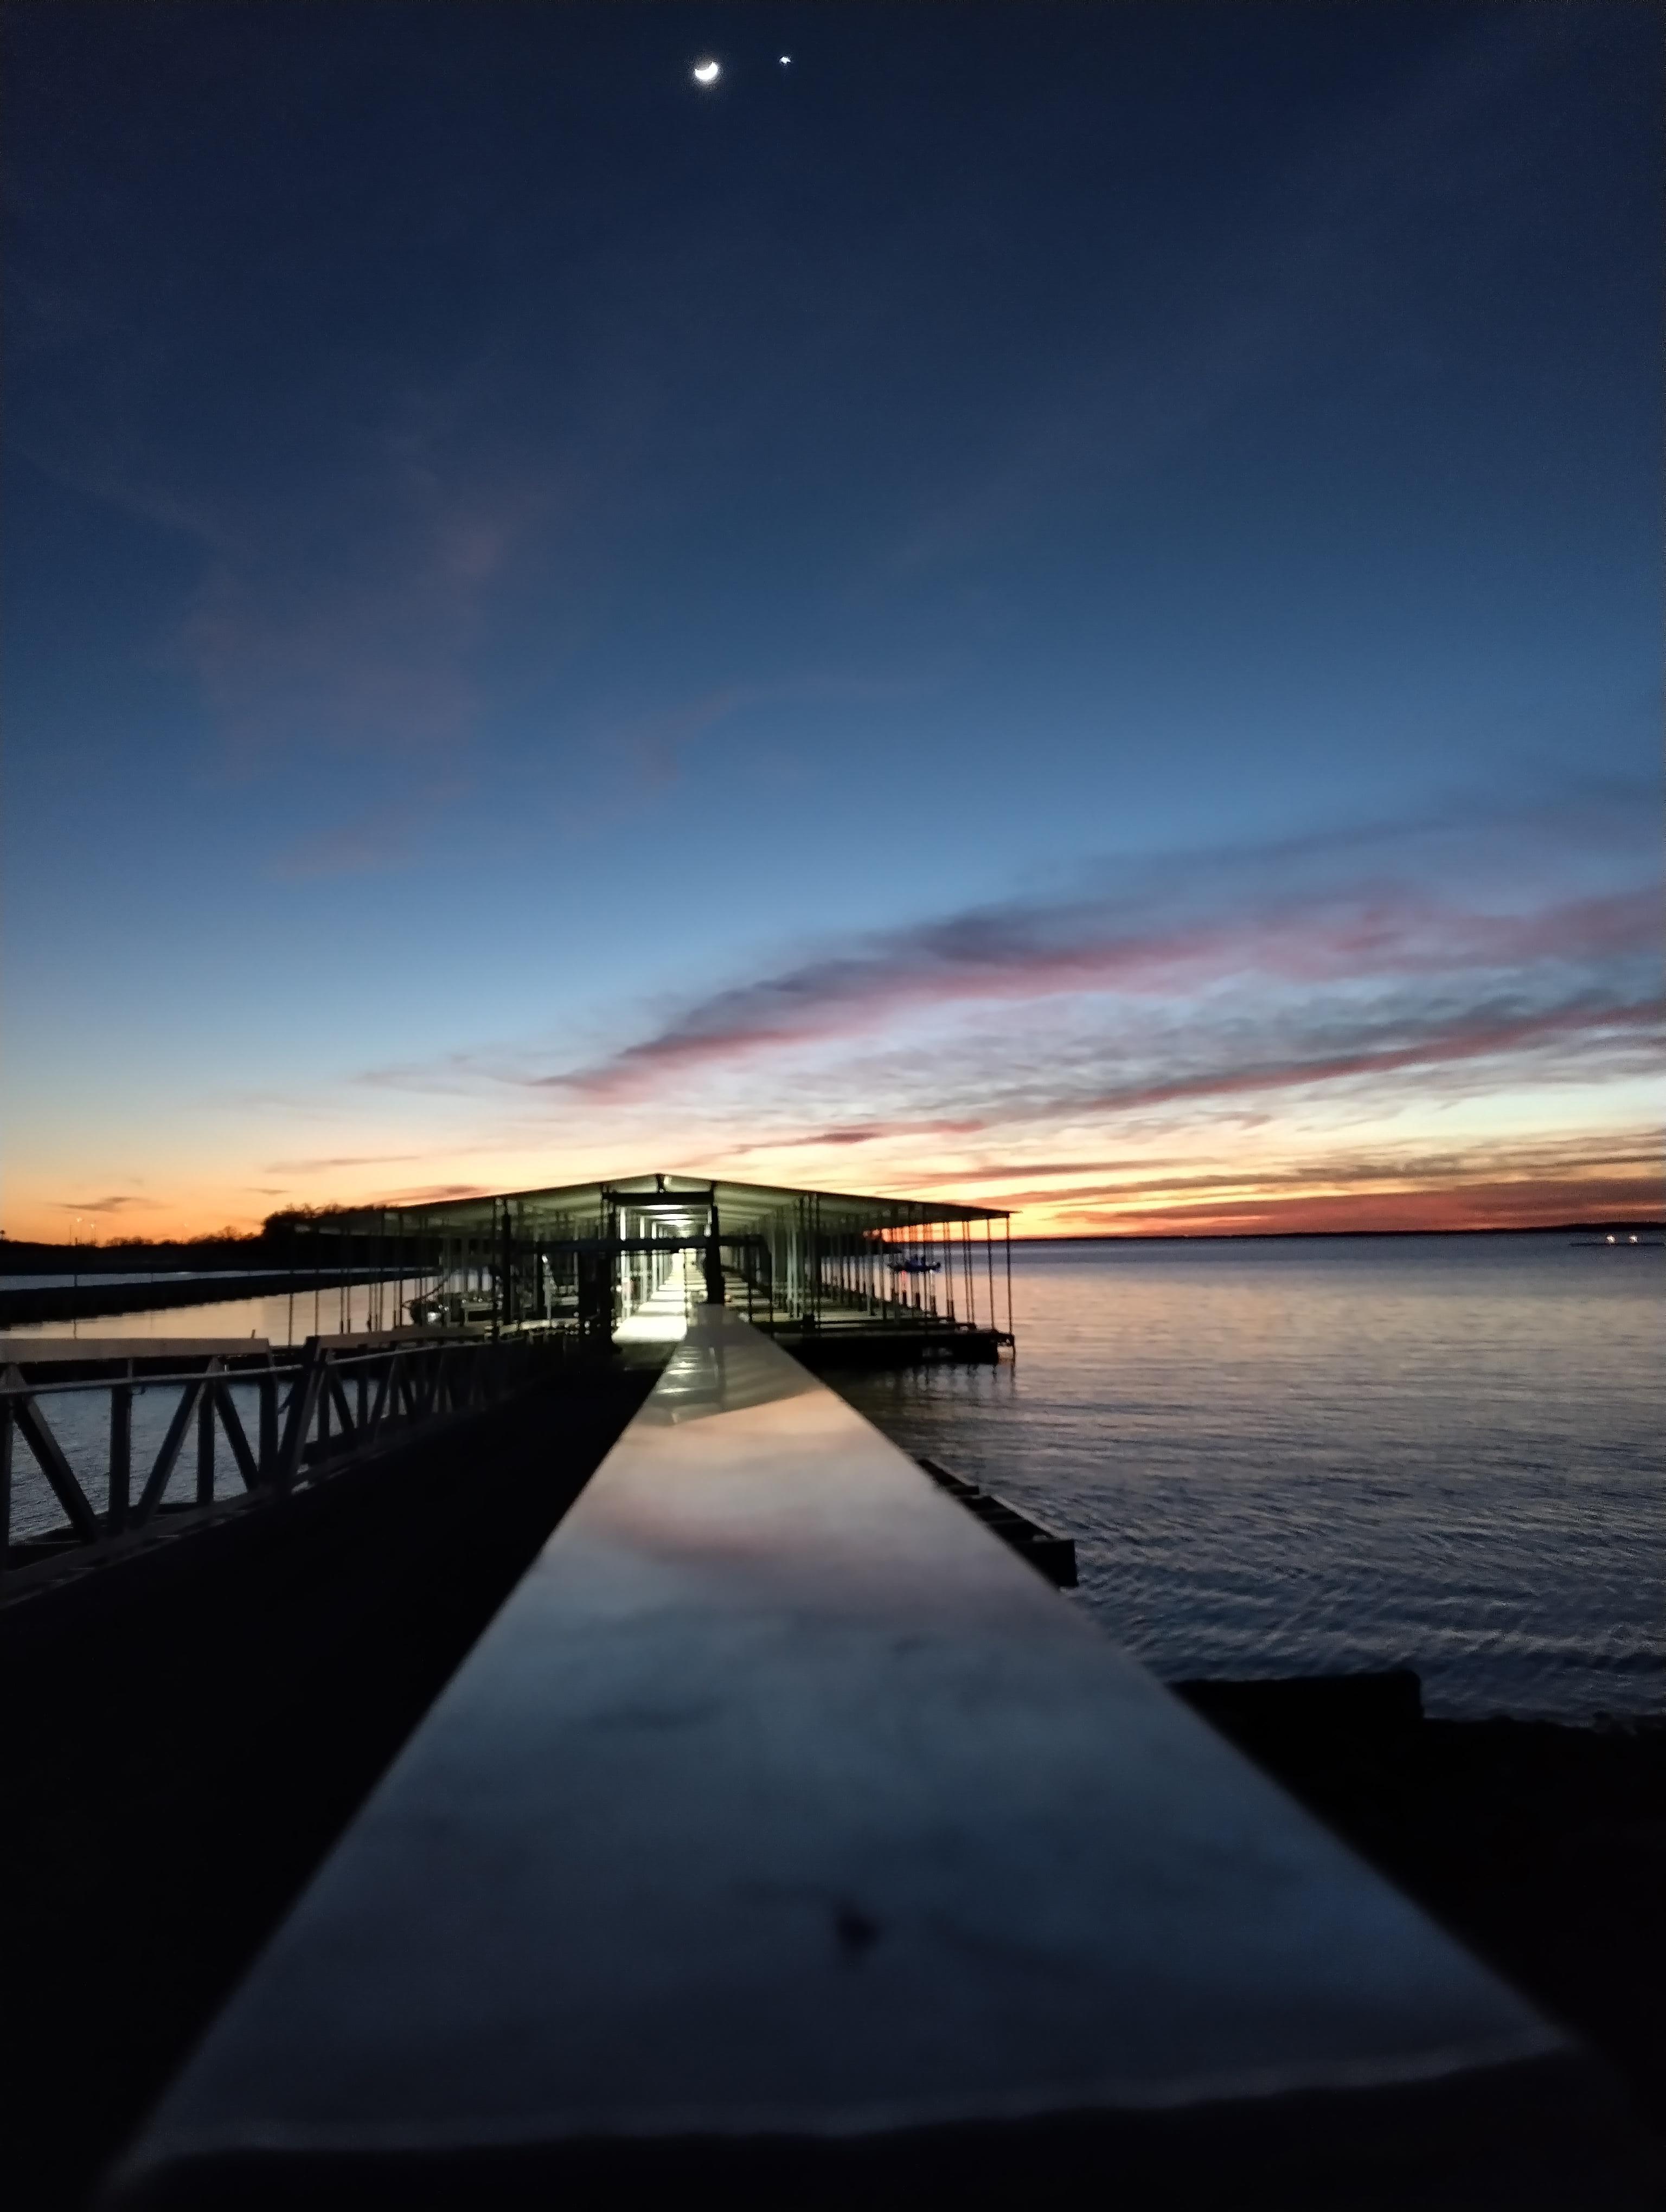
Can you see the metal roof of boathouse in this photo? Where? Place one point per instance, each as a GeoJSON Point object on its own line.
{"type": "Point", "coordinates": [741, 1205]}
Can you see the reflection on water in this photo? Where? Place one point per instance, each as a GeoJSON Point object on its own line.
{"type": "Point", "coordinates": [1287, 1457]}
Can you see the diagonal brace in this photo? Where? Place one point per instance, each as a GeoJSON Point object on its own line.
{"type": "Point", "coordinates": [156, 1481]}
{"type": "Point", "coordinates": [36, 1432]}
{"type": "Point", "coordinates": [226, 1405]}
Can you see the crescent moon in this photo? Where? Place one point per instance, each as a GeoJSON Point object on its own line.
{"type": "Point", "coordinates": [707, 72]}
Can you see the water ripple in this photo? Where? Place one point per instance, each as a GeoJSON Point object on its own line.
{"type": "Point", "coordinates": [1352, 1452]}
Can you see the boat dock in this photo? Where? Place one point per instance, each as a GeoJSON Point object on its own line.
{"type": "Point", "coordinates": [832, 1275]}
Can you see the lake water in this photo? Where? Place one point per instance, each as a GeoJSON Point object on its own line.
{"type": "Point", "coordinates": [1280, 1457]}
{"type": "Point", "coordinates": [1294, 1457]}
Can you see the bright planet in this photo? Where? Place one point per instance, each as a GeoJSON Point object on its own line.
{"type": "Point", "coordinates": [707, 72]}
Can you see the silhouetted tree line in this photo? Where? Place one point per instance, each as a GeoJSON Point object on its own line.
{"type": "Point", "coordinates": [303, 1237]}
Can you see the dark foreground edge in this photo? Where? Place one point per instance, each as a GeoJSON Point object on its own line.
{"type": "Point", "coordinates": [1539, 2134]}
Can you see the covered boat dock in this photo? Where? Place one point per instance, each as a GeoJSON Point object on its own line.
{"type": "Point", "coordinates": [833, 1274]}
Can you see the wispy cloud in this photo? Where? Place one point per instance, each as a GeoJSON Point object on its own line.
{"type": "Point", "coordinates": [1394, 968]}
{"type": "Point", "coordinates": [351, 554]}
{"type": "Point", "coordinates": [1037, 953]}
{"type": "Point", "coordinates": [1401, 1037]}
{"type": "Point", "coordinates": [360, 644]}
{"type": "Point", "coordinates": [381, 837]}
{"type": "Point", "coordinates": [123, 1202]}
{"type": "Point", "coordinates": [1600, 1156]}
{"type": "Point", "coordinates": [654, 746]}
{"type": "Point", "coordinates": [1409, 947]}
{"type": "Point", "coordinates": [1508, 1202]}
{"type": "Point", "coordinates": [321, 1163]}
{"type": "Point", "coordinates": [432, 1193]}
{"type": "Point", "coordinates": [865, 1132]}
{"type": "Point", "coordinates": [1514, 1196]}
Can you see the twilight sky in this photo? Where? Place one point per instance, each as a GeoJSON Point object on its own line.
{"type": "Point", "coordinates": [1054, 605]}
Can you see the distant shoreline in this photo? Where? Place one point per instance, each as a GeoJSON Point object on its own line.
{"type": "Point", "coordinates": [91, 1300]}
{"type": "Point", "coordinates": [1654, 1228]}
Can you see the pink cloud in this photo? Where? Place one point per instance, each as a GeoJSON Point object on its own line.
{"type": "Point", "coordinates": [863, 1133]}
{"type": "Point", "coordinates": [1038, 953]}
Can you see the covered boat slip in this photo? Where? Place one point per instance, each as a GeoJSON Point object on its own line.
{"type": "Point", "coordinates": [830, 1272]}
{"type": "Point", "coordinates": [786, 1835]}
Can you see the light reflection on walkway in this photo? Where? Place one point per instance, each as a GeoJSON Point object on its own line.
{"type": "Point", "coordinates": [664, 1318]}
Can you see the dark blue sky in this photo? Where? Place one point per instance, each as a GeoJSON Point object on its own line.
{"type": "Point", "coordinates": [511, 557]}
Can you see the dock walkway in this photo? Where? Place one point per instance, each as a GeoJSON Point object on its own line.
{"type": "Point", "coordinates": [786, 1835]}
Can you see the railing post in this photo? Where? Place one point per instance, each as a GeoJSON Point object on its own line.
{"type": "Point", "coordinates": [205, 1439]}
{"type": "Point", "coordinates": [303, 1396]}
{"type": "Point", "coordinates": [121, 1455]}
{"type": "Point", "coordinates": [370, 1424]}
{"type": "Point", "coordinates": [323, 1402]}
{"type": "Point", "coordinates": [267, 1448]}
